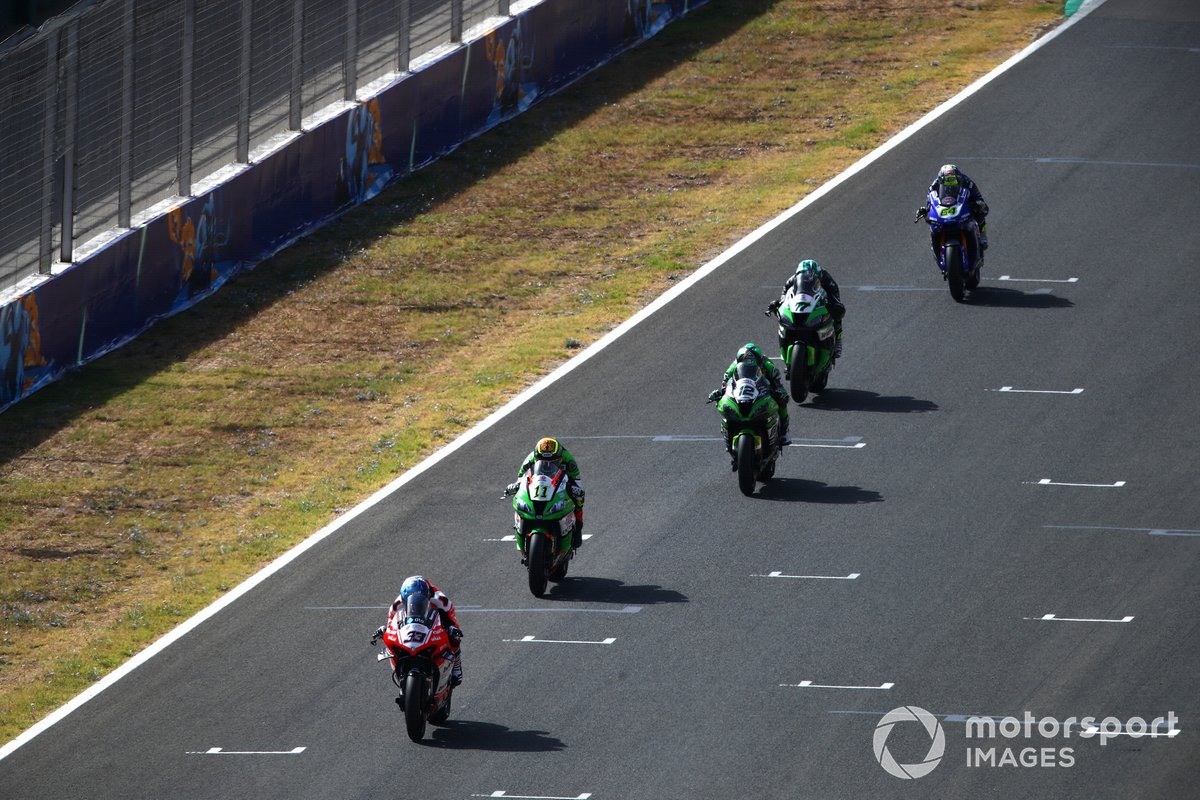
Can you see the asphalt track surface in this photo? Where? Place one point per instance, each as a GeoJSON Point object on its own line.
{"type": "Point", "coordinates": [1087, 154]}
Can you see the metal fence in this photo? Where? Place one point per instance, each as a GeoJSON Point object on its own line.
{"type": "Point", "coordinates": [122, 104]}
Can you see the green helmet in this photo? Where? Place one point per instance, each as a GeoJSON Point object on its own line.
{"type": "Point", "coordinates": [808, 265]}
{"type": "Point", "coordinates": [750, 352]}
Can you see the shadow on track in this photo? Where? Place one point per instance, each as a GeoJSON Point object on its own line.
{"type": "Point", "coordinates": [806, 491]}
{"type": "Point", "coordinates": [860, 400]}
{"type": "Point", "coordinates": [459, 734]}
{"type": "Point", "coordinates": [1012, 298]}
{"type": "Point", "coordinates": [610, 590]}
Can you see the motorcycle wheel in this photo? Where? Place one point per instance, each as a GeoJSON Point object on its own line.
{"type": "Point", "coordinates": [440, 716]}
{"type": "Point", "coordinates": [744, 451]}
{"type": "Point", "coordinates": [768, 472]}
{"type": "Point", "coordinates": [535, 553]}
{"type": "Point", "coordinates": [414, 706]}
{"type": "Point", "coordinates": [560, 570]}
{"type": "Point", "coordinates": [954, 272]}
{"type": "Point", "coordinates": [821, 381]}
{"type": "Point", "coordinates": [799, 380]}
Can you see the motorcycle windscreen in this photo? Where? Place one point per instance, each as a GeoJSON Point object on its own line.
{"type": "Point", "coordinates": [416, 609]}
{"type": "Point", "coordinates": [547, 468]}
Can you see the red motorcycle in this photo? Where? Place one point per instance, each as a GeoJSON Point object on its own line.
{"type": "Point", "coordinates": [418, 647]}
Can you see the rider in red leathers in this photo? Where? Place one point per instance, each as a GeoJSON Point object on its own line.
{"type": "Point", "coordinates": [417, 588]}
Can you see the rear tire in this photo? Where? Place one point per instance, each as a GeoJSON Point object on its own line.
{"type": "Point", "coordinates": [799, 372]}
{"type": "Point", "coordinates": [560, 571]}
{"type": "Point", "coordinates": [535, 554]}
{"type": "Point", "coordinates": [744, 452]}
{"type": "Point", "coordinates": [822, 381]}
{"type": "Point", "coordinates": [954, 272]}
{"type": "Point", "coordinates": [440, 716]}
{"type": "Point", "coordinates": [414, 705]}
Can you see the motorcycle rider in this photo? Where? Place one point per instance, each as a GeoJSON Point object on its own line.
{"type": "Point", "coordinates": [549, 449]}
{"type": "Point", "coordinates": [417, 590]}
{"type": "Point", "coordinates": [810, 274]}
{"type": "Point", "coordinates": [950, 180]}
{"type": "Point", "coordinates": [752, 354]}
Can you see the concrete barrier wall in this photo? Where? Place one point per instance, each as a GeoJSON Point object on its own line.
{"type": "Point", "coordinates": [177, 259]}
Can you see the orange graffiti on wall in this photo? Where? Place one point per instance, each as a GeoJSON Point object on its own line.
{"type": "Point", "coordinates": [496, 50]}
{"type": "Point", "coordinates": [183, 233]}
{"type": "Point", "coordinates": [376, 154]}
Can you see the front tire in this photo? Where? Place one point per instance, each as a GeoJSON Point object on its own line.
{"type": "Point", "coordinates": [799, 380]}
{"type": "Point", "coordinates": [954, 272]}
{"type": "Point", "coordinates": [535, 553]}
{"type": "Point", "coordinates": [414, 706]}
{"type": "Point", "coordinates": [744, 453]}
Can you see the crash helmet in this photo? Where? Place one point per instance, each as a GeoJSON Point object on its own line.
{"type": "Point", "coordinates": [415, 589]}
{"type": "Point", "coordinates": [750, 352]}
{"type": "Point", "coordinates": [548, 449]}
{"type": "Point", "coordinates": [950, 177]}
{"type": "Point", "coordinates": [808, 267]}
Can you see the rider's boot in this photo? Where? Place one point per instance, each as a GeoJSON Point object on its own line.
{"type": "Point", "coordinates": [784, 438]}
{"type": "Point", "coordinates": [577, 535]}
{"type": "Point", "coordinates": [837, 344]}
{"type": "Point", "coordinates": [983, 245]}
{"type": "Point", "coordinates": [456, 670]}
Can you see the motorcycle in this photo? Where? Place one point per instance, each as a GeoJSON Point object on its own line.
{"type": "Point", "coordinates": [807, 337]}
{"type": "Point", "coordinates": [418, 647]}
{"type": "Point", "coordinates": [544, 522]}
{"type": "Point", "coordinates": [750, 425]}
{"type": "Point", "coordinates": [955, 239]}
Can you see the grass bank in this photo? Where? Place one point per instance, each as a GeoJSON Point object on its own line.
{"type": "Point", "coordinates": [137, 490]}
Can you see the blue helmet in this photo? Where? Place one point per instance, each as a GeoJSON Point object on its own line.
{"type": "Point", "coordinates": [415, 588]}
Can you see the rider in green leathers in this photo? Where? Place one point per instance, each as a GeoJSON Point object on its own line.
{"type": "Point", "coordinates": [753, 354]}
{"type": "Point", "coordinates": [548, 449]}
{"type": "Point", "coordinates": [821, 277]}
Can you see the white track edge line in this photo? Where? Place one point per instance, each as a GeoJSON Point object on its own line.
{"type": "Point", "coordinates": [562, 370]}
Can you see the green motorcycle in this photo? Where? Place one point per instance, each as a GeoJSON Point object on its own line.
{"type": "Point", "coordinates": [544, 521]}
{"type": "Point", "coordinates": [750, 424]}
{"type": "Point", "coordinates": [807, 337]}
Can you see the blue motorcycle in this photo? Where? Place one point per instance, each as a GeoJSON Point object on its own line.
{"type": "Point", "coordinates": [954, 239]}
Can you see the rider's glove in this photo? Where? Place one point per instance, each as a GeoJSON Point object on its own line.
{"type": "Point", "coordinates": [456, 635]}
{"type": "Point", "coordinates": [921, 212]}
{"type": "Point", "coordinates": [771, 308]}
{"type": "Point", "coordinates": [714, 394]}
{"type": "Point", "coordinates": [378, 634]}
{"type": "Point", "coordinates": [511, 488]}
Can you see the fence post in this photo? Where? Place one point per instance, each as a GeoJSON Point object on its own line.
{"type": "Point", "coordinates": [70, 122]}
{"type": "Point", "coordinates": [403, 55]}
{"type": "Point", "coordinates": [456, 20]}
{"type": "Point", "coordinates": [297, 95]}
{"type": "Point", "coordinates": [185, 98]}
{"type": "Point", "coordinates": [50, 95]}
{"type": "Point", "coordinates": [125, 187]}
{"type": "Point", "coordinates": [350, 69]}
{"type": "Point", "coordinates": [243, 125]}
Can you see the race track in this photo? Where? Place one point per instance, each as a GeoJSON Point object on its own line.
{"type": "Point", "coordinates": [934, 546]}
